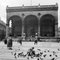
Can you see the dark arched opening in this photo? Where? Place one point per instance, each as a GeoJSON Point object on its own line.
{"type": "Point", "coordinates": [16, 26]}
{"type": "Point", "coordinates": [47, 26]}
{"type": "Point", "coordinates": [31, 25]}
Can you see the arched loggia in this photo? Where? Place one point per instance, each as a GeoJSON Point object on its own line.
{"type": "Point", "coordinates": [16, 25]}
{"type": "Point", "coordinates": [30, 25]}
{"type": "Point", "coordinates": [47, 26]}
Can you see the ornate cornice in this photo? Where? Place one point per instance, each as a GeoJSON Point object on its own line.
{"type": "Point", "coordinates": [32, 8]}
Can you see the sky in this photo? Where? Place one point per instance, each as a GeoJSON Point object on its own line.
{"type": "Point", "coordinates": [10, 3]}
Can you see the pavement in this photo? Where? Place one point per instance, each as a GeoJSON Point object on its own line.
{"type": "Point", "coordinates": [42, 51]}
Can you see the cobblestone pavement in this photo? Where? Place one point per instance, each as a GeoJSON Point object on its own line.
{"type": "Point", "coordinates": [43, 51]}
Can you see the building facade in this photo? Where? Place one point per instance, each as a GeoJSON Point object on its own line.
{"type": "Point", "coordinates": [31, 20]}
{"type": "Point", "coordinates": [2, 30]}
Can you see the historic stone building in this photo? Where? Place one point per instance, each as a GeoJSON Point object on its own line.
{"type": "Point", "coordinates": [2, 30]}
{"type": "Point", "coordinates": [31, 20]}
{"type": "Point", "coordinates": [2, 25]}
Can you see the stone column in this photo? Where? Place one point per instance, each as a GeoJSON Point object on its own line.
{"type": "Point", "coordinates": [39, 26]}
{"type": "Point", "coordinates": [56, 30]}
{"type": "Point", "coordinates": [7, 30]}
{"type": "Point", "coordinates": [22, 26]}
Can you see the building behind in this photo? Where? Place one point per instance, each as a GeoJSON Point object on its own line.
{"type": "Point", "coordinates": [31, 20]}
{"type": "Point", "coordinates": [2, 30]}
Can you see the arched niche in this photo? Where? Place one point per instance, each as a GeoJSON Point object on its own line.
{"type": "Point", "coordinates": [47, 26]}
{"type": "Point", "coordinates": [15, 25]}
{"type": "Point", "coordinates": [30, 25]}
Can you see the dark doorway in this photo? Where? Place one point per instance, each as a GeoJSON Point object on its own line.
{"type": "Point", "coordinates": [30, 25]}
{"type": "Point", "coordinates": [16, 28]}
{"type": "Point", "coordinates": [47, 26]}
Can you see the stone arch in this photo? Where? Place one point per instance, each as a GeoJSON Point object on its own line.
{"type": "Point", "coordinates": [47, 25]}
{"type": "Point", "coordinates": [30, 25]}
{"type": "Point", "coordinates": [16, 29]}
